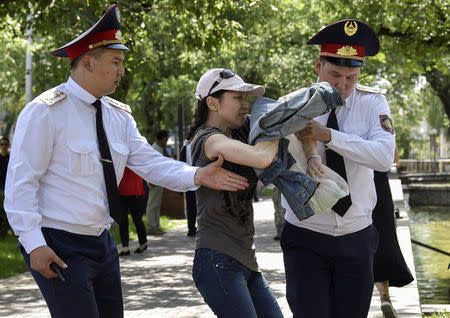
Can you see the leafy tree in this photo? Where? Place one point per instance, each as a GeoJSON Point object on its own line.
{"type": "Point", "coordinates": [174, 41]}
{"type": "Point", "coordinates": [164, 37]}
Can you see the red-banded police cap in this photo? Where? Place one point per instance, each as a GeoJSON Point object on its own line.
{"type": "Point", "coordinates": [347, 42]}
{"type": "Point", "coordinates": [104, 33]}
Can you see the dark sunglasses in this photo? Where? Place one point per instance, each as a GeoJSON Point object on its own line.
{"type": "Point", "coordinates": [226, 73]}
{"type": "Point", "coordinates": [4, 144]}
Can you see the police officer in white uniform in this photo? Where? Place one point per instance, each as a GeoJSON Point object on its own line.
{"type": "Point", "coordinates": [70, 149]}
{"type": "Point", "coordinates": [328, 257]}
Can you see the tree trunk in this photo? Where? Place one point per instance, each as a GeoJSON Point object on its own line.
{"type": "Point", "coordinates": [441, 85]}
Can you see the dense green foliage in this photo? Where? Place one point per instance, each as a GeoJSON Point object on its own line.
{"type": "Point", "coordinates": [174, 41]}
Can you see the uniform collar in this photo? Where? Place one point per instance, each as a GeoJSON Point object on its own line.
{"type": "Point", "coordinates": [80, 92]}
{"type": "Point", "coordinates": [348, 101]}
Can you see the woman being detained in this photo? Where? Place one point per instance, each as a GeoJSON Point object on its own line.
{"type": "Point", "coordinates": [225, 269]}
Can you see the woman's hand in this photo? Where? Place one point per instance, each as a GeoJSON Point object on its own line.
{"type": "Point", "coordinates": [314, 167]}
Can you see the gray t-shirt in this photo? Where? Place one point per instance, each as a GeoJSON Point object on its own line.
{"type": "Point", "coordinates": [224, 218]}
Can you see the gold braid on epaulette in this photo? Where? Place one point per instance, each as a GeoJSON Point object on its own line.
{"type": "Point", "coordinates": [52, 97]}
{"type": "Point", "coordinates": [368, 89]}
{"type": "Point", "coordinates": [118, 104]}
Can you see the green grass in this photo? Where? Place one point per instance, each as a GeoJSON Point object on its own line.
{"type": "Point", "coordinates": [438, 315]}
{"type": "Point", "coordinates": [267, 192]}
{"type": "Point", "coordinates": [11, 260]}
{"type": "Point", "coordinates": [12, 263]}
{"type": "Point", "coordinates": [164, 221]}
{"type": "Point", "coordinates": [168, 223]}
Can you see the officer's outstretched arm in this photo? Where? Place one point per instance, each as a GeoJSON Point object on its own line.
{"type": "Point", "coordinates": [215, 177]}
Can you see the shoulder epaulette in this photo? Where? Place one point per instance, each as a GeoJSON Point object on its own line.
{"type": "Point", "coordinates": [52, 97]}
{"type": "Point", "coordinates": [369, 89]}
{"type": "Point", "coordinates": [118, 104]}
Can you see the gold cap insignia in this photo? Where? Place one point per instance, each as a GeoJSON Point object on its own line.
{"type": "Point", "coordinates": [350, 28]}
{"type": "Point", "coordinates": [118, 14]}
{"type": "Point", "coordinates": [118, 35]}
{"type": "Point", "coordinates": [347, 50]}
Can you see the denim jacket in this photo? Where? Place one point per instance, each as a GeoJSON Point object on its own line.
{"type": "Point", "coordinates": [271, 120]}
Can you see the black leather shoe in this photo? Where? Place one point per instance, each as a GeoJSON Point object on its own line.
{"type": "Point", "coordinates": [123, 253]}
{"type": "Point", "coordinates": [139, 251]}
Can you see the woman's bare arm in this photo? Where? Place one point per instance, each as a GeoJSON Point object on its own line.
{"type": "Point", "coordinates": [259, 156]}
{"type": "Point", "coordinates": [314, 164]}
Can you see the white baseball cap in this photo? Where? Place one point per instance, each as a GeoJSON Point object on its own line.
{"type": "Point", "coordinates": [218, 79]}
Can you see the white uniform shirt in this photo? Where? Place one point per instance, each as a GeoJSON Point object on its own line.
{"type": "Point", "coordinates": [157, 147]}
{"type": "Point", "coordinates": [55, 177]}
{"type": "Point", "coordinates": [365, 146]}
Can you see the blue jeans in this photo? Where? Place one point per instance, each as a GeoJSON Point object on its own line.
{"type": "Point", "coordinates": [297, 187]}
{"type": "Point", "coordinates": [231, 289]}
{"type": "Point", "coordinates": [271, 120]}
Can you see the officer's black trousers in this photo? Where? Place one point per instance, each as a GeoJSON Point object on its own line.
{"type": "Point", "coordinates": [328, 276]}
{"type": "Point", "coordinates": [93, 287]}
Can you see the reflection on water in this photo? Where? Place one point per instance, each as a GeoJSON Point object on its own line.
{"type": "Point", "coordinates": [431, 225]}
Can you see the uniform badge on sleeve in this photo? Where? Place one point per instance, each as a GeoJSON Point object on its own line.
{"type": "Point", "coordinates": [386, 123]}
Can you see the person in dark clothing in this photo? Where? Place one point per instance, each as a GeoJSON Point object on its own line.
{"type": "Point", "coordinates": [191, 209]}
{"type": "Point", "coordinates": [191, 203]}
{"type": "Point", "coordinates": [134, 194]}
{"type": "Point", "coordinates": [4, 160]}
{"type": "Point", "coordinates": [389, 266]}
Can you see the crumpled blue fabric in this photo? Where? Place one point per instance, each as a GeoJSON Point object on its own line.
{"type": "Point", "coordinates": [274, 119]}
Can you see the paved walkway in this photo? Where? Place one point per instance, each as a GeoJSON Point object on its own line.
{"type": "Point", "coordinates": [158, 282]}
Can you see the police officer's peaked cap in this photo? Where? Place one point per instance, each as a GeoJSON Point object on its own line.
{"type": "Point", "coordinates": [104, 33]}
{"type": "Point", "coordinates": [347, 42]}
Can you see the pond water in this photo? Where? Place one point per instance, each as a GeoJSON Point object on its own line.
{"type": "Point", "coordinates": [431, 225]}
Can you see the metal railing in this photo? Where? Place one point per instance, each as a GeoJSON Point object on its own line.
{"type": "Point", "coordinates": [423, 166]}
{"type": "Point", "coordinates": [430, 247]}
